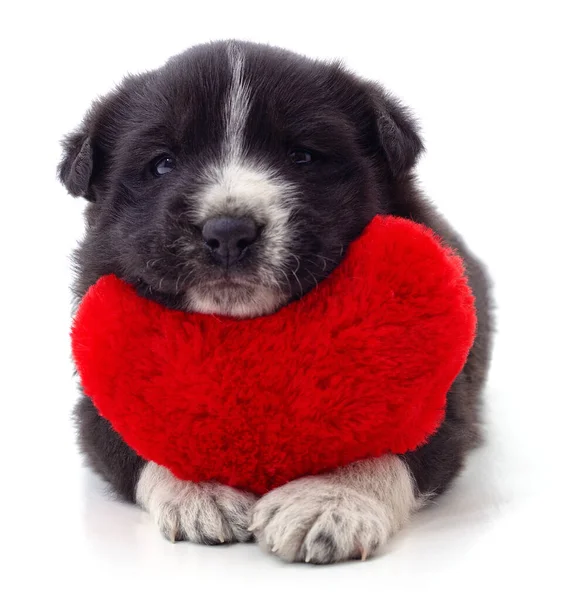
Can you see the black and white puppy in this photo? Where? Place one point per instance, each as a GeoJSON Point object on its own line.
{"type": "Point", "coordinates": [231, 181]}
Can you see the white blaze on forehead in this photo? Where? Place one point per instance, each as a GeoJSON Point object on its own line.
{"type": "Point", "coordinates": [237, 106]}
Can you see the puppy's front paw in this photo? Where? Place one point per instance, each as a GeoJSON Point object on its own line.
{"type": "Point", "coordinates": [318, 521]}
{"type": "Point", "coordinates": [205, 513]}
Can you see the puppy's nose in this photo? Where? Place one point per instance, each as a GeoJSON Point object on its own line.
{"type": "Point", "coordinates": [228, 237]}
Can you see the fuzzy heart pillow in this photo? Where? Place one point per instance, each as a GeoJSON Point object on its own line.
{"type": "Point", "coordinates": [358, 367]}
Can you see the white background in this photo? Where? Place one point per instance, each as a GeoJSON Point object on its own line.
{"type": "Point", "coordinates": [492, 86]}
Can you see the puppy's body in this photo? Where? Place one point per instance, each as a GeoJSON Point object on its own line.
{"type": "Point", "coordinates": [231, 181]}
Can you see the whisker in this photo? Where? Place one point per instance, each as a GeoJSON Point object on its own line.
{"type": "Point", "coordinates": [285, 275]}
{"type": "Point", "coordinates": [298, 266]}
{"type": "Point", "coordinates": [150, 264]}
{"type": "Point", "coordinates": [314, 278]}
{"type": "Point", "coordinates": [299, 282]}
{"type": "Point", "coordinates": [325, 258]}
{"type": "Point", "coordinates": [178, 283]}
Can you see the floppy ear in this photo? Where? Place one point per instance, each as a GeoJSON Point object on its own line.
{"type": "Point", "coordinates": [397, 132]}
{"type": "Point", "coordinates": [75, 168]}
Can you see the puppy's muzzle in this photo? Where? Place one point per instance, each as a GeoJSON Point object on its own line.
{"type": "Point", "coordinates": [229, 238]}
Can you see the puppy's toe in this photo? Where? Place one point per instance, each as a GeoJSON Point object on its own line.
{"type": "Point", "coordinates": [353, 527]}
{"type": "Point", "coordinates": [320, 522]}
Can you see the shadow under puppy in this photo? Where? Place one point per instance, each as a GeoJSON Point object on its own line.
{"type": "Point", "coordinates": [231, 181]}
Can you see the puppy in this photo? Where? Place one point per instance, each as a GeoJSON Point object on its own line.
{"type": "Point", "coordinates": [231, 181]}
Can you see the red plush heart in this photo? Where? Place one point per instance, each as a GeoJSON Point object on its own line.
{"type": "Point", "coordinates": [359, 367]}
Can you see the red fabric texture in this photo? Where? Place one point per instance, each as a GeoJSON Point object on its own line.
{"type": "Point", "coordinates": [359, 367]}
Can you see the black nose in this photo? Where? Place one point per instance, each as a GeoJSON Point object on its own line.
{"type": "Point", "coordinates": [228, 237]}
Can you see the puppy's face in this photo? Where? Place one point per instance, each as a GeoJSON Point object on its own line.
{"type": "Point", "coordinates": [232, 179]}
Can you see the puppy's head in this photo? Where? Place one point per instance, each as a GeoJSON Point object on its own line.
{"type": "Point", "coordinates": [232, 179]}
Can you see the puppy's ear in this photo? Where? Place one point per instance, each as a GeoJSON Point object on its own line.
{"type": "Point", "coordinates": [397, 132]}
{"type": "Point", "coordinates": [77, 164]}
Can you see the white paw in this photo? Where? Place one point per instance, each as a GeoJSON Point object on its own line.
{"type": "Point", "coordinates": [319, 521]}
{"type": "Point", "coordinates": [205, 513]}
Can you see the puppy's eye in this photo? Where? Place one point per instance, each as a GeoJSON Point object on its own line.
{"type": "Point", "coordinates": [163, 165]}
{"type": "Point", "coordinates": [300, 156]}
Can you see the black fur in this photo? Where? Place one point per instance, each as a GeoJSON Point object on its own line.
{"type": "Point", "coordinates": [109, 456]}
{"type": "Point", "coordinates": [365, 145]}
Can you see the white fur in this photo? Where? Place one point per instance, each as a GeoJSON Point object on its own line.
{"type": "Point", "coordinates": [203, 513]}
{"type": "Point", "coordinates": [349, 513]}
{"type": "Point", "coordinates": [242, 303]}
{"type": "Point", "coordinates": [237, 106]}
